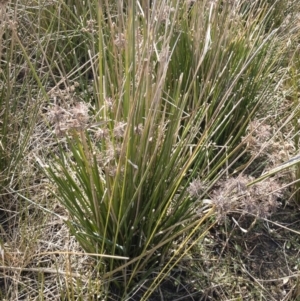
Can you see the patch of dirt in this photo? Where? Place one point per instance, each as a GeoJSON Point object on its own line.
{"type": "Point", "coordinates": [249, 258]}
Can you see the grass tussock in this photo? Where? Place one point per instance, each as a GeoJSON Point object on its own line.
{"type": "Point", "coordinates": [146, 149]}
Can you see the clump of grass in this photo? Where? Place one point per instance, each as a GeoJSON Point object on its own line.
{"type": "Point", "coordinates": [179, 109]}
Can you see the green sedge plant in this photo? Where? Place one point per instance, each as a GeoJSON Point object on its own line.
{"type": "Point", "coordinates": [172, 96]}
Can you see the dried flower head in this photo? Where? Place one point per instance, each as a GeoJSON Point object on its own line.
{"type": "Point", "coordinates": [267, 147]}
{"type": "Point", "coordinates": [101, 134]}
{"type": "Point", "coordinates": [90, 26]}
{"type": "Point", "coordinates": [258, 134]}
{"type": "Point", "coordinates": [57, 114]}
{"type": "Point", "coordinates": [196, 188]}
{"type": "Point", "coordinates": [119, 129]}
{"type": "Point", "coordinates": [260, 199]}
{"type": "Point", "coordinates": [80, 116]}
{"type": "Point", "coordinates": [75, 118]}
{"type": "Point", "coordinates": [80, 112]}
